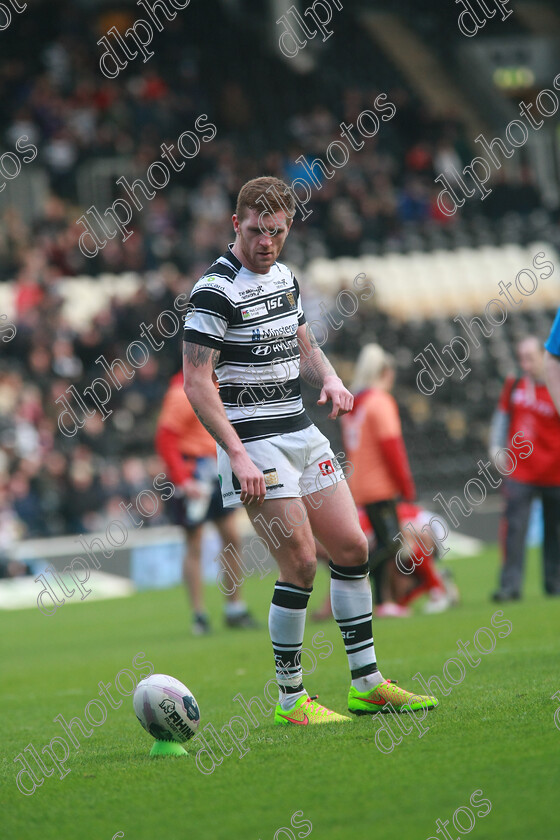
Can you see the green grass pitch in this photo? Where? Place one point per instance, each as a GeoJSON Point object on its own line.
{"type": "Point", "coordinates": [495, 732]}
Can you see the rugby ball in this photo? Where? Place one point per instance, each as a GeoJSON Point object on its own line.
{"type": "Point", "coordinates": [166, 708]}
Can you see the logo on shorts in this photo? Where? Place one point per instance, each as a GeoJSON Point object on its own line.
{"type": "Point", "coordinates": [326, 467]}
{"type": "Point", "coordinates": [271, 479]}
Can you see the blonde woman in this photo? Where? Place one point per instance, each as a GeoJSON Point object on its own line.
{"type": "Point", "coordinates": [374, 444]}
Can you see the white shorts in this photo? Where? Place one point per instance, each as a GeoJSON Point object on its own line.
{"type": "Point", "coordinates": [294, 465]}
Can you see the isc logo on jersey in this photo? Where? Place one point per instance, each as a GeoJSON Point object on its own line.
{"type": "Point", "coordinates": [276, 302]}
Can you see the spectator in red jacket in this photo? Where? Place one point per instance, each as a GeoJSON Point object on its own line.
{"type": "Point", "coordinates": [189, 453]}
{"type": "Point", "coordinates": [374, 444]}
{"type": "Point", "coordinates": [526, 406]}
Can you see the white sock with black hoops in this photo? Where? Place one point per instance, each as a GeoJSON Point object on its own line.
{"type": "Point", "coordinates": [352, 608]}
{"type": "Point", "coordinates": [286, 622]}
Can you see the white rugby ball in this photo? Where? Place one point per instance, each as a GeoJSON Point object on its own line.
{"type": "Point", "coordinates": [166, 708]}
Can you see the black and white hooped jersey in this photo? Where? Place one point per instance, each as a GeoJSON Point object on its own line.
{"type": "Point", "coordinates": [252, 320]}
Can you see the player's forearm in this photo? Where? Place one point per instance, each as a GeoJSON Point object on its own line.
{"type": "Point", "coordinates": [552, 373]}
{"type": "Point", "coordinates": [315, 368]}
{"type": "Point", "coordinates": [198, 366]}
{"type": "Point", "coordinates": [208, 407]}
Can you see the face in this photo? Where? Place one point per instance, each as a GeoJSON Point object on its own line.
{"type": "Point", "coordinates": [257, 250]}
{"type": "Point", "coordinates": [531, 358]}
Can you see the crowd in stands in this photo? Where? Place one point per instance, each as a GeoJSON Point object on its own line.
{"type": "Point", "coordinates": [51, 484]}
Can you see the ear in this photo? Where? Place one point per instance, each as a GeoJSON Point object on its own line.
{"type": "Point", "coordinates": [235, 222]}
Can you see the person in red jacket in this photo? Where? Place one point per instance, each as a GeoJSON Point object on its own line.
{"type": "Point", "coordinates": [374, 444]}
{"type": "Point", "coordinates": [526, 406]}
{"type": "Point", "coordinates": [189, 453]}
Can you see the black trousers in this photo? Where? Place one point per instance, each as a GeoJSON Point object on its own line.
{"type": "Point", "coordinates": [385, 523]}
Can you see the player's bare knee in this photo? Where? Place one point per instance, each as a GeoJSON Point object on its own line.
{"type": "Point", "coordinates": [353, 551]}
{"type": "Point", "coordinates": [304, 568]}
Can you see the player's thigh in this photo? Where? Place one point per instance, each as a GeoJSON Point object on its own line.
{"type": "Point", "coordinates": [193, 535]}
{"type": "Point", "coordinates": [334, 521]}
{"type": "Point", "coordinates": [284, 526]}
{"type": "Point", "coordinates": [226, 526]}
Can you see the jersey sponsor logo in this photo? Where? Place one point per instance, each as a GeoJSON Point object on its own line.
{"type": "Point", "coordinates": [285, 345]}
{"type": "Point", "coordinates": [227, 495]}
{"type": "Point", "coordinates": [277, 332]}
{"type": "Point", "coordinates": [247, 293]}
{"type": "Point", "coordinates": [262, 350]}
{"type": "Point", "coordinates": [213, 281]}
{"type": "Point", "coordinates": [326, 467]}
{"type": "Point", "coordinates": [253, 311]}
{"type": "Point", "coordinates": [260, 333]}
{"type": "Point", "coordinates": [274, 303]}
{"type": "Point", "coordinates": [291, 299]}
{"type": "Point", "coordinates": [279, 284]}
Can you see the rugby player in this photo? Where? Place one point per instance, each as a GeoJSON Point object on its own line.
{"type": "Point", "coordinates": [189, 453]}
{"type": "Point", "coordinates": [248, 327]}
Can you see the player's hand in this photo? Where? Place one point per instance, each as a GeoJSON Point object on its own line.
{"type": "Point", "coordinates": [341, 398]}
{"type": "Point", "coordinates": [194, 489]}
{"type": "Point", "coordinates": [251, 479]}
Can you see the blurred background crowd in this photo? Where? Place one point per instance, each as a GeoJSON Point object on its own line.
{"type": "Point", "coordinates": [89, 130]}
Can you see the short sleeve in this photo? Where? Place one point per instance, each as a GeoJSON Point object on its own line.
{"type": "Point", "coordinates": [208, 321]}
{"type": "Point", "coordinates": [300, 314]}
{"type": "Point", "coordinates": [553, 343]}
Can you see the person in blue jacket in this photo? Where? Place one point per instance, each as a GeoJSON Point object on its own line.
{"type": "Point", "coordinates": [552, 362]}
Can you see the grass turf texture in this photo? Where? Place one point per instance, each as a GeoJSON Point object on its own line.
{"type": "Point", "coordinates": [494, 732]}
